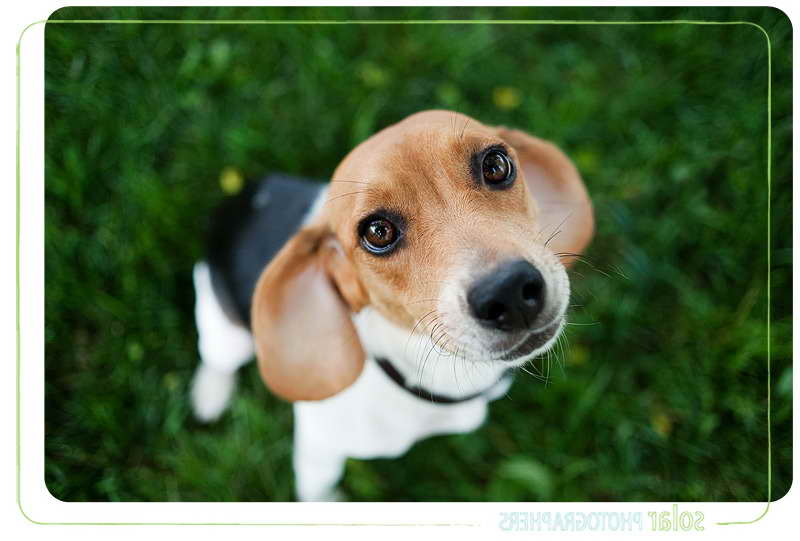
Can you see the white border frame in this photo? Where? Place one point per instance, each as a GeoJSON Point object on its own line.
{"type": "Point", "coordinates": [39, 506]}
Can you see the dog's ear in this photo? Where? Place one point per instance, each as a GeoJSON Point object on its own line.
{"type": "Point", "coordinates": [565, 210]}
{"type": "Point", "coordinates": [306, 344]}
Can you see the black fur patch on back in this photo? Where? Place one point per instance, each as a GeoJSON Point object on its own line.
{"type": "Point", "coordinates": [246, 232]}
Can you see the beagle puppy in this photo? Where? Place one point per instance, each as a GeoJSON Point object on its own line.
{"type": "Point", "coordinates": [393, 303]}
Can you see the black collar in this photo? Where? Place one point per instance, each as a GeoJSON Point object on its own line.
{"type": "Point", "coordinates": [425, 394]}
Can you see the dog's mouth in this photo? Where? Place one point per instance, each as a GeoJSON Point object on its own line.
{"type": "Point", "coordinates": [534, 343]}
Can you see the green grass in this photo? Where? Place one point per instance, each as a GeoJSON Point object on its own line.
{"type": "Point", "coordinates": [662, 394]}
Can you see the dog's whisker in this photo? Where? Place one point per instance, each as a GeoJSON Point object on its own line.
{"type": "Point", "coordinates": [471, 351]}
{"type": "Point", "coordinates": [334, 198]}
{"type": "Point", "coordinates": [535, 376]}
{"type": "Point", "coordinates": [419, 321]}
{"type": "Point", "coordinates": [442, 333]}
{"type": "Point", "coordinates": [567, 349]}
{"type": "Point", "coordinates": [433, 365]}
{"type": "Point", "coordinates": [562, 254]}
{"type": "Point", "coordinates": [425, 361]}
{"type": "Point", "coordinates": [574, 257]}
{"type": "Point", "coordinates": [423, 340]}
{"type": "Point", "coordinates": [554, 235]}
{"type": "Point", "coordinates": [522, 368]}
{"type": "Point", "coordinates": [561, 355]}
{"type": "Point", "coordinates": [583, 259]}
{"type": "Point", "coordinates": [547, 368]}
{"type": "Point", "coordinates": [557, 229]}
{"type": "Point", "coordinates": [440, 344]}
{"type": "Point", "coordinates": [426, 351]}
{"type": "Point", "coordinates": [433, 371]}
{"type": "Point", "coordinates": [539, 372]}
{"type": "Point", "coordinates": [464, 128]}
{"type": "Point", "coordinates": [619, 271]}
{"type": "Point", "coordinates": [458, 340]}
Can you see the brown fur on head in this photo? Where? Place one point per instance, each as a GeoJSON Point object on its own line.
{"type": "Point", "coordinates": [424, 175]}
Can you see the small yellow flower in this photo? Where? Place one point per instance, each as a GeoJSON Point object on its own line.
{"type": "Point", "coordinates": [506, 97]}
{"type": "Point", "coordinates": [231, 180]}
{"type": "Point", "coordinates": [662, 423]}
{"type": "Point", "coordinates": [373, 75]}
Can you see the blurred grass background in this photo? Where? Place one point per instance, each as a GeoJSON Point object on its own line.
{"type": "Point", "coordinates": [663, 391]}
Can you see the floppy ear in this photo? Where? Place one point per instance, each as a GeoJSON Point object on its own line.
{"type": "Point", "coordinates": [558, 191]}
{"type": "Point", "coordinates": [306, 344]}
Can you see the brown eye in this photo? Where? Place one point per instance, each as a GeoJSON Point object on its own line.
{"type": "Point", "coordinates": [497, 168]}
{"type": "Point", "coordinates": [379, 235]}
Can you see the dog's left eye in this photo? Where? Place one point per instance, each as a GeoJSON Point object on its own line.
{"type": "Point", "coordinates": [378, 235]}
{"type": "Point", "coordinates": [497, 168]}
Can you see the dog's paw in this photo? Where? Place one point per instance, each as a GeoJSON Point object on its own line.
{"type": "Point", "coordinates": [333, 495]}
{"type": "Point", "coordinates": [211, 392]}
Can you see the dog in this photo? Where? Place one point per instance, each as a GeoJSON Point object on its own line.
{"type": "Point", "coordinates": [394, 302]}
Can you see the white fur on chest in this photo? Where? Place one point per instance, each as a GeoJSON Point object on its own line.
{"type": "Point", "coordinates": [377, 418]}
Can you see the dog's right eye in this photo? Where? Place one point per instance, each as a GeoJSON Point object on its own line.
{"type": "Point", "coordinates": [378, 235]}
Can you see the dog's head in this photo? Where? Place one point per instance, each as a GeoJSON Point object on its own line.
{"type": "Point", "coordinates": [435, 219]}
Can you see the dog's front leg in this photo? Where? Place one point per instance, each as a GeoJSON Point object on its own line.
{"type": "Point", "coordinates": [316, 474]}
{"type": "Point", "coordinates": [318, 461]}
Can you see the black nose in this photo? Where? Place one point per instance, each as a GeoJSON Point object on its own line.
{"type": "Point", "coordinates": [509, 298]}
